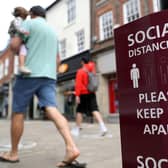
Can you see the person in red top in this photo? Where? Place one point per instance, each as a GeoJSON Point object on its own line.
{"type": "Point", "coordinates": [86, 100]}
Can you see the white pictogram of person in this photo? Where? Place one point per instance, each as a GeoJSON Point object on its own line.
{"type": "Point", "coordinates": [135, 75]}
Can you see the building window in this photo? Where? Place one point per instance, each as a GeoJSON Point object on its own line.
{"type": "Point", "coordinates": [106, 25]}
{"type": "Point", "coordinates": [131, 10]}
{"type": "Point", "coordinates": [1, 70]}
{"type": "Point", "coordinates": [71, 10]}
{"type": "Point", "coordinates": [63, 48]}
{"type": "Point", "coordinates": [156, 5]}
{"type": "Point", "coordinates": [100, 3]}
{"type": "Point", "coordinates": [80, 40]}
{"type": "Point", "coordinates": [6, 67]}
{"type": "Point", "coordinates": [16, 65]}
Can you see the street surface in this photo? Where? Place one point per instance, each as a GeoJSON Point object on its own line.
{"type": "Point", "coordinates": [43, 147]}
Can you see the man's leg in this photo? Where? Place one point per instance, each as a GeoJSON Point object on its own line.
{"type": "Point", "coordinates": [17, 126]}
{"type": "Point", "coordinates": [97, 116]}
{"type": "Point", "coordinates": [61, 123]}
{"type": "Point", "coordinates": [79, 119]}
{"type": "Point", "coordinates": [81, 107]}
{"type": "Point", "coordinates": [99, 119]}
{"type": "Point", "coordinates": [75, 131]}
{"type": "Point", "coordinates": [94, 108]}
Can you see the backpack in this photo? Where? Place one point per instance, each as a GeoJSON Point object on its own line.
{"type": "Point", "coordinates": [93, 82]}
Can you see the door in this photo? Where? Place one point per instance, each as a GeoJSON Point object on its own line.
{"type": "Point", "coordinates": [113, 102]}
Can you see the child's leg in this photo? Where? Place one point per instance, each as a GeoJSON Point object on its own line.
{"type": "Point", "coordinates": [21, 60]}
{"type": "Point", "coordinates": [22, 57]}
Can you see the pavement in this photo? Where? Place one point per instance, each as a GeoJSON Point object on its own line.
{"type": "Point", "coordinates": [42, 146]}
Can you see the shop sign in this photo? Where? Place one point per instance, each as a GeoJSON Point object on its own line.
{"type": "Point", "coordinates": [63, 68]}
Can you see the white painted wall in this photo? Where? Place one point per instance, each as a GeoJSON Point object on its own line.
{"type": "Point", "coordinates": [106, 62]}
{"type": "Point", "coordinates": [57, 17]}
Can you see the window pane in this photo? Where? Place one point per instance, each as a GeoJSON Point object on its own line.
{"type": "Point", "coordinates": [63, 48]}
{"type": "Point", "coordinates": [80, 40]}
{"type": "Point", "coordinates": [106, 26]}
{"type": "Point", "coordinates": [132, 10]}
{"type": "Point", "coordinates": [71, 12]}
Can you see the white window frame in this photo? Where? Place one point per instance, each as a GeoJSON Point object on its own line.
{"type": "Point", "coordinates": [62, 48]}
{"type": "Point", "coordinates": [6, 66]}
{"type": "Point", "coordinates": [106, 25]}
{"type": "Point", "coordinates": [80, 35]}
{"type": "Point", "coordinates": [16, 65]}
{"type": "Point", "coordinates": [71, 11]}
{"type": "Point", "coordinates": [1, 70]}
{"type": "Point", "coordinates": [131, 10]}
{"type": "Point", "coordinates": [156, 5]}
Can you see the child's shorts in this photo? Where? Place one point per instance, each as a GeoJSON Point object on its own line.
{"type": "Point", "coordinates": [23, 50]}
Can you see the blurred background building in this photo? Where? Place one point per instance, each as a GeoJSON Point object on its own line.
{"type": "Point", "coordinates": [85, 29]}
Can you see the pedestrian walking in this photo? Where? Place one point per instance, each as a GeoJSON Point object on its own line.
{"type": "Point", "coordinates": [85, 99]}
{"type": "Point", "coordinates": [69, 103]}
{"type": "Point", "coordinates": [42, 57]}
{"type": "Point", "coordinates": [20, 14]}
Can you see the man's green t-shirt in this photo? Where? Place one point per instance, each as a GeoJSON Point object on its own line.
{"type": "Point", "coordinates": [42, 46]}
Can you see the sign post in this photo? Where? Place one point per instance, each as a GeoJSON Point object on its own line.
{"type": "Point", "coordinates": [142, 69]}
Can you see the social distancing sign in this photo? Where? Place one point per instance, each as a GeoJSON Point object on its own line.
{"type": "Point", "coordinates": [142, 69]}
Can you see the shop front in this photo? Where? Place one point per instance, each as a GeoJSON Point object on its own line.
{"type": "Point", "coordinates": [66, 85]}
{"type": "Point", "coordinates": [107, 92]}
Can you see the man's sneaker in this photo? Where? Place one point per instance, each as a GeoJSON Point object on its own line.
{"type": "Point", "coordinates": [24, 70]}
{"type": "Point", "coordinates": [75, 131]}
{"type": "Point", "coordinates": [103, 133]}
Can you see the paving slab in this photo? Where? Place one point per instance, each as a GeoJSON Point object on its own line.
{"type": "Point", "coordinates": [43, 147]}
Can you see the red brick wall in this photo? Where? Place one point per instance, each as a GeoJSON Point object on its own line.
{"type": "Point", "coordinates": [116, 6]}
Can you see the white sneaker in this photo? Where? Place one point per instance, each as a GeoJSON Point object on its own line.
{"type": "Point", "coordinates": [103, 133]}
{"type": "Point", "coordinates": [75, 131]}
{"type": "Point", "coordinates": [24, 70]}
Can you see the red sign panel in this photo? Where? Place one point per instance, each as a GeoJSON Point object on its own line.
{"type": "Point", "coordinates": [142, 69]}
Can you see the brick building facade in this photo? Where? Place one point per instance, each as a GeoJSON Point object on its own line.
{"type": "Point", "coordinates": [106, 15]}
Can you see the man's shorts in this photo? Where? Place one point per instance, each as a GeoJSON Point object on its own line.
{"type": "Point", "coordinates": [24, 89]}
{"type": "Point", "coordinates": [88, 104]}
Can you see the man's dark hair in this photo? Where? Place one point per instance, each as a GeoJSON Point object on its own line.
{"type": "Point", "coordinates": [85, 60]}
{"type": "Point", "coordinates": [38, 11]}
